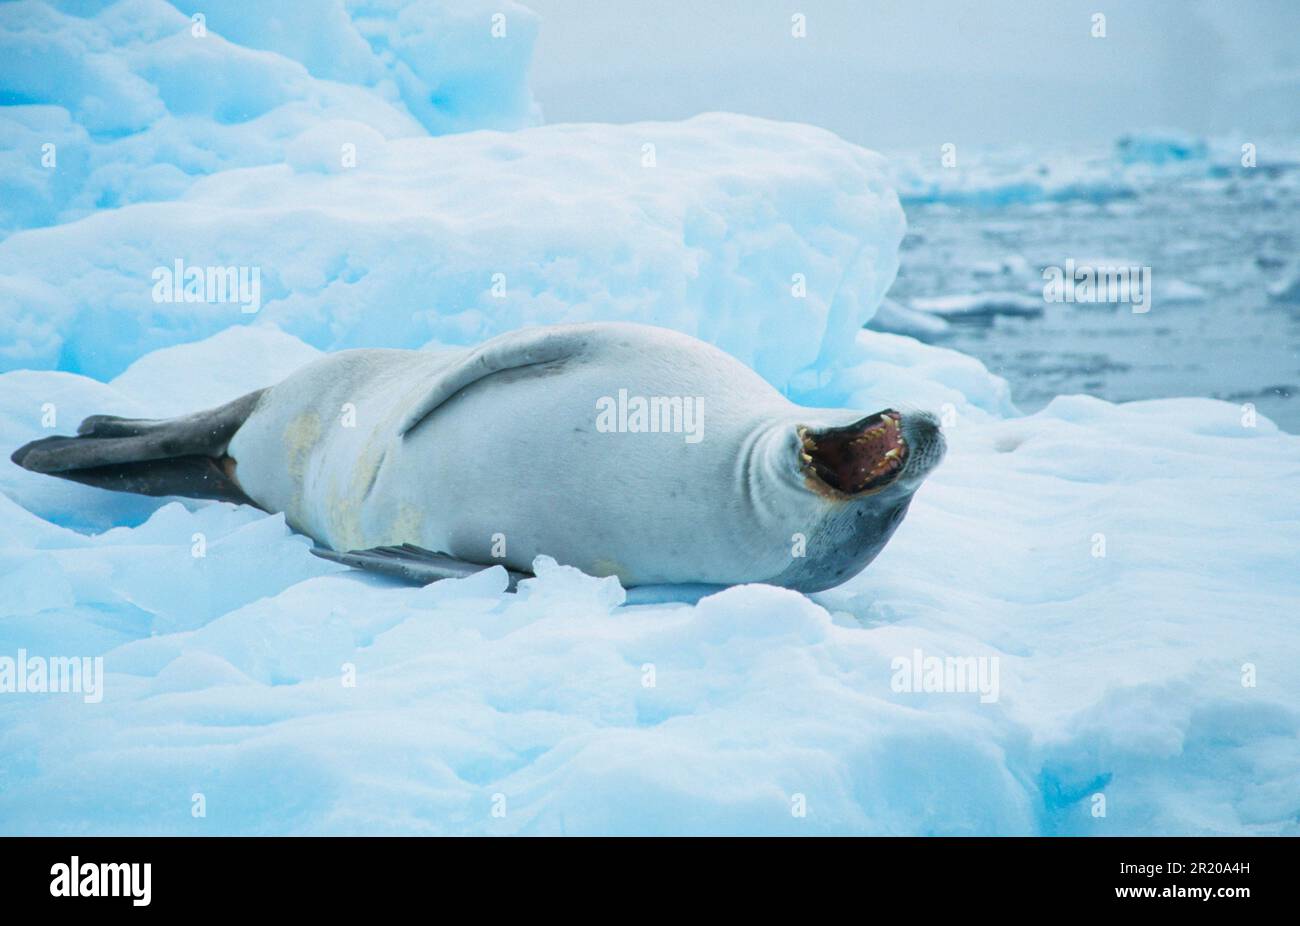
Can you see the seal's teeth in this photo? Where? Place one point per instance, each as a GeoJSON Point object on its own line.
{"type": "Point", "coordinates": [891, 454]}
{"type": "Point", "coordinates": [806, 458]}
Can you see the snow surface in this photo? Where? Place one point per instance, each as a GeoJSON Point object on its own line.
{"type": "Point", "coordinates": [564, 708]}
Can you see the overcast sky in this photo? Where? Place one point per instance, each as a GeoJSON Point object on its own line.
{"type": "Point", "coordinates": [903, 72]}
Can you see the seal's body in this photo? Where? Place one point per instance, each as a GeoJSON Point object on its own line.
{"type": "Point", "coordinates": [621, 449]}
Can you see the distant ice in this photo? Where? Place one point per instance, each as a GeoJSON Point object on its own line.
{"type": "Point", "coordinates": [992, 178]}
{"type": "Point", "coordinates": [1286, 289]}
{"type": "Point", "coordinates": [1160, 147]}
{"type": "Point", "coordinates": [898, 319]}
{"type": "Point", "coordinates": [979, 305]}
{"type": "Point", "coordinates": [1176, 290]}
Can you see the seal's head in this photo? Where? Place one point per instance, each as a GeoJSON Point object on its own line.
{"type": "Point", "coordinates": [856, 482]}
{"type": "Point", "coordinates": [887, 450]}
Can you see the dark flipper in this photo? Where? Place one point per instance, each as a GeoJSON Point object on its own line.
{"type": "Point", "coordinates": [411, 563]}
{"type": "Point", "coordinates": [177, 456]}
{"type": "Point", "coordinates": [419, 566]}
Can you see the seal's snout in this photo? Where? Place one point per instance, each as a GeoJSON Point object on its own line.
{"type": "Point", "coordinates": [926, 446]}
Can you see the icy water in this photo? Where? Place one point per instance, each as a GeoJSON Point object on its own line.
{"type": "Point", "coordinates": [1215, 246]}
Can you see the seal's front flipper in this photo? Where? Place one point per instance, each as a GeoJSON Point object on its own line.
{"type": "Point", "coordinates": [682, 593]}
{"type": "Point", "coordinates": [544, 347]}
{"type": "Point", "coordinates": [177, 456]}
{"type": "Point", "coordinates": [411, 564]}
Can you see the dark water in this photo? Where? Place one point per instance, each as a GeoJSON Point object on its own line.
{"type": "Point", "coordinates": [1214, 245]}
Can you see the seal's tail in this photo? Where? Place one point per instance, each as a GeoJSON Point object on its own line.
{"type": "Point", "coordinates": [175, 456]}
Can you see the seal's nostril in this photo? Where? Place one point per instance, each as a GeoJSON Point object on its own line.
{"type": "Point", "coordinates": [924, 423]}
{"type": "Point", "coordinates": [922, 432]}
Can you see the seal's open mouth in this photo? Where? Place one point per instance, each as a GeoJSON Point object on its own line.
{"type": "Point", "coordinates": [859, 458]}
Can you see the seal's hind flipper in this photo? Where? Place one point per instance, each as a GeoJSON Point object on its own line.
{"type": "Point", "coordinates": [176, 456]}
{"type": "Point", "coordinates": [113, 426]}
{"type": "Point", "coordinates": [411, 563]}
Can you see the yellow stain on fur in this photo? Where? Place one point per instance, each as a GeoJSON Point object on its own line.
{"type": "Point", "coordinates": [300, 438]}
{"type": "Point", "coordinates": [602, 568]}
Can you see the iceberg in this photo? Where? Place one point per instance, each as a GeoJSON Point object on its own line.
{"type": "Point", "coordinates": [107, 104]}
{"type": "Point", "coordinates": [703, 226]}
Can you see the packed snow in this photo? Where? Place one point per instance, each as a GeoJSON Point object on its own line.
{"type": "Point", "coordinates": [1123, 574]}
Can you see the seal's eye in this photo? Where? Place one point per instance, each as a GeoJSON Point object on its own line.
{"type": "Point", "coordinates": [859, 458]}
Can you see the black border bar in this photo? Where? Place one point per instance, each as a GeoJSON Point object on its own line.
{"type": "Point", "coordinates": [334, 874]}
